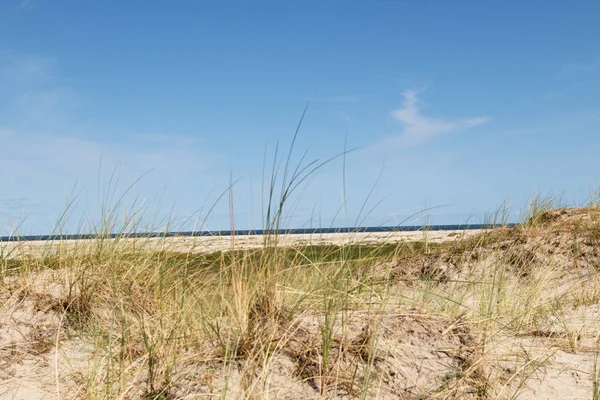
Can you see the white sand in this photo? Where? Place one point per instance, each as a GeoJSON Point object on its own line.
{"type": "Point", "coordinates": [202, 244]}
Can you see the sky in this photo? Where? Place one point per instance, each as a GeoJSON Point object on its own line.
{"type": "Point", "coordinates": [171, 112]}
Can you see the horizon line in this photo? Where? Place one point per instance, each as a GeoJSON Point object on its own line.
{"type": "Point", "coordinates": [253, 232]}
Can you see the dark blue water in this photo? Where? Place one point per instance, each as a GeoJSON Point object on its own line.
{"type": "Point", "coordinates": [414, 228]}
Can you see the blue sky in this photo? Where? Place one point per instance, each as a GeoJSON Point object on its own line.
{"type": "Point", "coordinates": [459, 104]}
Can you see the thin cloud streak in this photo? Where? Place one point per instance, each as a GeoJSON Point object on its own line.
{"type": "Point", "coordinates": [576, 68]}
{"type": "Point", "coordinates": [48, 149]}
{"type": "Point", "coordinates": [417, 128]}
{"type": "Point", "coordinates": [26, 69]}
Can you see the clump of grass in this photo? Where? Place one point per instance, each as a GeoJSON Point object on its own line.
{"type": "Point", "coordinates": [538, 207]}
{"type": "Point", "coordinates": [151, 312]}
{"type": "Point", "coordinates": [234, 323]}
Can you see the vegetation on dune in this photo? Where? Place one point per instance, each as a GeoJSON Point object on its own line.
{"type": "Point", "coordinates": [475, 317]}
{"type": "Point", "coordinates": [492, 315]}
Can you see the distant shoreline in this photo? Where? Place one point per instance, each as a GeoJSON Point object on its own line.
{"type": "Point", "coordinates": [254, 232]}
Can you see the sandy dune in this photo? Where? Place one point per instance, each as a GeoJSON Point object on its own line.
{"type": "Point", "coordinates": [203, 244]}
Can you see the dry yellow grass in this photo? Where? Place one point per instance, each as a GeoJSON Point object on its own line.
{"type": "Point", "coordinates": [507, 313]}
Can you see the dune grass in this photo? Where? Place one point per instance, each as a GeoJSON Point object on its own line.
{"type": "Point", "coordinates": [161, 324]}
{"type": "Point", "coordinates": [479, 316]}
{"type": "Point", "coordinates": [149, 313]}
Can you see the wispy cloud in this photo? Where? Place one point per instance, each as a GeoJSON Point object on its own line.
{"type": "Point", "coordinates": [17, 203]}
{"type": "Point", "coordinates": [28, 69]}
{"type": "Point", "coordinates": [48, 147]}
{"type": "Point", "coordinates": [18, 5]}
{"type": "Point", "coordinates": [583, 67]}
{"type": "Point", "coordinates": [32, 93]}
{"type": "Point", "coordinates": [26, 5]}
{"type": "Point", "coordinates": [417, 128]}
{"type": "Point", "coordinates": [42, 106]}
